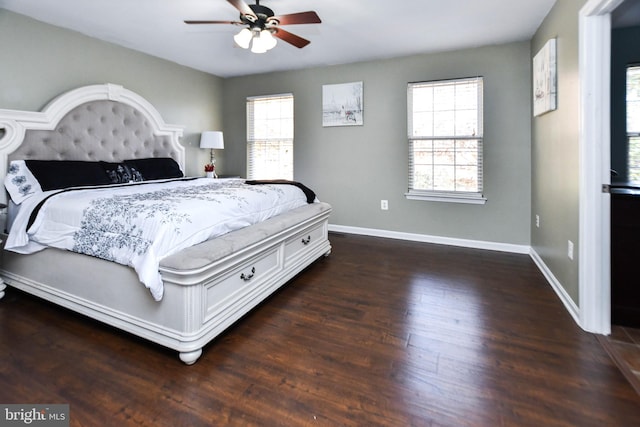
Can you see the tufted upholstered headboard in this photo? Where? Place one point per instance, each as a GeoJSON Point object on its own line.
{"type": "Point", "coordinates": [98, 122]}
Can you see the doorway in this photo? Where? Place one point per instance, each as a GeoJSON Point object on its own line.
{"type": "Point", "coordinates": [595, 161]}
{"type": "Point", "coordinates": [595, 23]}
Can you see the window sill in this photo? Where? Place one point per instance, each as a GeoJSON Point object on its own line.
{"type": "Point", "coordinates": [473, 199]}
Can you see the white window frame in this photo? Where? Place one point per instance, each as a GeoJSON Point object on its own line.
{"type": "Point", "coordinates": [274, 137]}
{"type": "Point", "coordinates": [414, 135]}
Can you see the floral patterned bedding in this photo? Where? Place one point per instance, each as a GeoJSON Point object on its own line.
{"type": "Point", "coordinates": [139, 224]}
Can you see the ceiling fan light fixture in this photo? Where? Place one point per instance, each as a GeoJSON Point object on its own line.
{"type": "Point", "coordinates": [259, 45]}
{"type": "Point", "coordinates": [262, 26]}
{"type": "Point", "coordinates": [263, 41]}
{"type": "Point", "coordinates": [267, 38]}
{"type": "Point", "coordinates": [243, 38]}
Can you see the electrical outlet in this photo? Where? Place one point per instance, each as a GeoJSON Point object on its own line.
{"type": "Point", "coordinates": [570, 249]}
{"type": "Point", "coordinates": [384, 205]}
{"type": "Point", "coordinates": [538, 221]}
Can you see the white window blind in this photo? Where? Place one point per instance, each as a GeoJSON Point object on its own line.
{"type": "Point", "coordinates": [270, 137]}
{"type": "Point", "coordinates": [633, 123]}
{"type": "Point", "coordinates": [445, 140]}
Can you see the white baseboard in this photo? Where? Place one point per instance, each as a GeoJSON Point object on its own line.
{"type": "Point", "coordinates": [476, 244]}
{"type": "Point", "coordinates": [569, 304]}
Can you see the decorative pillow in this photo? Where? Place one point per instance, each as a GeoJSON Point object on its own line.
{"type": "Point", "coordinates": [121, 173]}
{"type": "Point", "coordinates": [20, 182]}
{"type": "Point", "coordinates": [55, 174]}
{"type": "Point", "coordinates": [156, 168]}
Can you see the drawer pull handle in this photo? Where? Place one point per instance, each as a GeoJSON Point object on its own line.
{"type": "Point", "coordinates": [247, 277]}
{"type": "Point", "coordinates": [306, 241]}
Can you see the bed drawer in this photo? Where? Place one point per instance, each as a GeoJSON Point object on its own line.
{"type": "Point", "coordinates": [304, 241]}
{"type": "Point", "coordinates": [235, 286]}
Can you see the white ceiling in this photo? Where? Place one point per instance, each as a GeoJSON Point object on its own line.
{"type": "Point", "coordinates": [351, 30]}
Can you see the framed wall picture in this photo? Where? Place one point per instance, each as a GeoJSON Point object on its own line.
{"type": "Point", "coordinates": [342, 104]}
{"type": "Point", "coordinates": [544, 79]}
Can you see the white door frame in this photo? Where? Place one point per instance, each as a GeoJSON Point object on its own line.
{"type": "Point", "coordinates": [595, 165]}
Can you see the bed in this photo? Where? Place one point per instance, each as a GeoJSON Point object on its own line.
{"type": "Point", "coordinates": [205, 285]}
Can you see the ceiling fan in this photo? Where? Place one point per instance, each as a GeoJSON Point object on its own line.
{"type": "Point", "coordinates": [262, 25]}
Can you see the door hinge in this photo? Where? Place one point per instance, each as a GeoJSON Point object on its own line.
{"type": "Point", "coordinates": [606, 188]}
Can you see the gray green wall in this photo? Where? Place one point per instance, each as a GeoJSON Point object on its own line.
{"type": "Point", "coordinates": [40, 61]}
{"type": "Point", "coordinates": [555, 152]}
{"type": "Point", "coordinates": [353, 168]}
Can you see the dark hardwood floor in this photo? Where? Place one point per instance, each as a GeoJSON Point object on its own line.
{"type": "Point", "coordinates": [381, 333]}
{"type": "Point", "coordinates": [623, 345]}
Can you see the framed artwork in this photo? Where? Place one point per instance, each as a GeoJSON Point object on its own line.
{"type": "Point", "coordinates": [544, 79]}
{"type": "Point", "coordinates": [342, 104]}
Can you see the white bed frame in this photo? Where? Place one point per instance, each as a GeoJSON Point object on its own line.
{"type": "Point", "coordinates": [207, 287]}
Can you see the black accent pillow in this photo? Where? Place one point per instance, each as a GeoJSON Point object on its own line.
{"type": "Point", "coordinates": [156, 168]}
{"type": "Point", "coordinates": [121, 173]}
{"type": "Point", "coordinates": [56, 174]}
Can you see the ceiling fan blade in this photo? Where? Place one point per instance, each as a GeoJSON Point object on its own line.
{"type": "Point", "coordinates": [242, 7]}
{"type": "Point", "coordinates": [290, 38]}
{"type": "Point", "coordinates": [214, 22]}
{"type": "Point", "coordinates": [298, 18]}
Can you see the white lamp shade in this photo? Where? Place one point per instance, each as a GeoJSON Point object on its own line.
{"type": "Point", "coordinates": [259, 45]}
{"type": "Point", "coordinates": [212, 139]}
{"type": "Point", "coordinates": [243, 38]}
{"type": "Point", "coordinates": [268, 39]}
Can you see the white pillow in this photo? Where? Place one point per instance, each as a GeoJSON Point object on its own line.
{"type": "Point", "coordinates": [20, 182]}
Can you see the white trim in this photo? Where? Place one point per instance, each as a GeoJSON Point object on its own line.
{"type": "Point", "coordinates": [472, 199]}
{"type": "Point", "coordinates": [594, 143]}
{"type": "Point", "coordinates": [451, 241]}
{"type": "Point", "coordinates": [568, 302]}
{"type": "Point", "coordinates": [599, 7]}
{"type": "Point", "coordinates": [417, 133]}
{"type": "Point", "coordinates": [277, 95]}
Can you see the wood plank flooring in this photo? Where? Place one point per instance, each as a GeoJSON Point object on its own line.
{"type": "Point", "coordinates": [623, 345]}
{"type": "Point", "coordinates": [380, 333]}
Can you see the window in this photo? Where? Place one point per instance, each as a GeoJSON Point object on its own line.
{"type": "Point", "coordinates": [445, 140]}
{"type": "Point", "coordinates": [633, 123]}
{"type": "Point", "coordinates": [270, 137]}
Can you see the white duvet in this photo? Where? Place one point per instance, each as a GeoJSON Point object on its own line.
{"type": "Point", "coordinates": [139, 224]}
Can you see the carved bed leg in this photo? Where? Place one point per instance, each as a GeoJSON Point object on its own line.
{"type": "Point", "coordinates": [2, 288]}
{"type": "Point", "coordinates": [327, 253]}
{"type": "Point", "coordinates": [190, 357]}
